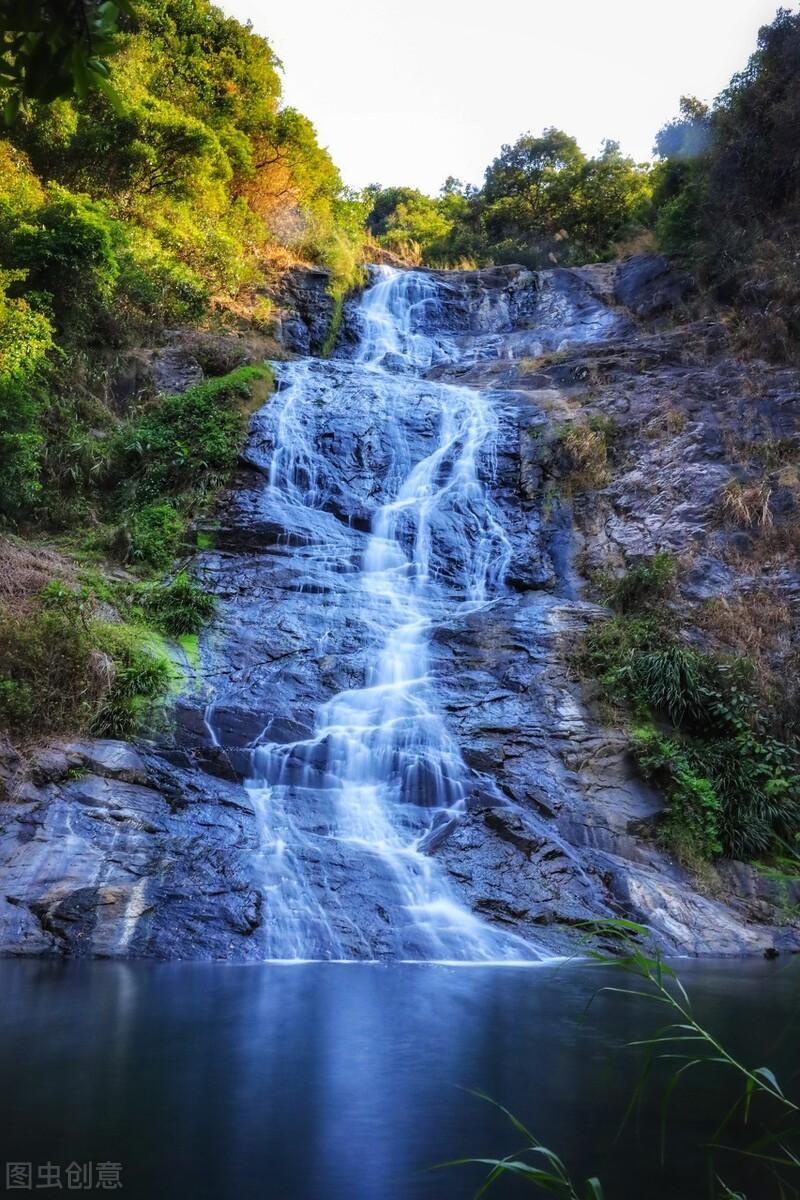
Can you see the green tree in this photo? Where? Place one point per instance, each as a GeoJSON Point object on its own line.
{"type": "Point", "coordinates": [727, 189]}
{"type": "Point", "coordinates": [56, 48]}
{"type": "Point", "coordinates": [25, 341]}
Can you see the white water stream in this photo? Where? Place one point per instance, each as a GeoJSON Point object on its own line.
{"type": "Point", "coordinates": [381, 768]}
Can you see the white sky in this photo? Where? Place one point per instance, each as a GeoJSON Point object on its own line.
{"type": "Point", "coordinates": [411, 91]}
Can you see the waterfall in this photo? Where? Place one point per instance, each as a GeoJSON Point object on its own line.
{"type": "Point", "coordinates": [381, 777]}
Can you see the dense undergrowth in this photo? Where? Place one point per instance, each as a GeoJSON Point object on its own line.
{"type": "Point", "coordinates": [154, 473]}
{"type": "Point", "coordinates": [701, 725]}
{"type": "Point", "coordinates": [64, 670]}
{"type": "Point", "coordinates": [170, 203]}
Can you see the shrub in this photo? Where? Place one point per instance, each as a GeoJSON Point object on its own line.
{"type": "Point", "coordinates": [724, 763]}
{"type": "Point", "coordinates": [731, 795]}
{"type": "Point", "coordinates": [672, 681]}
{"type": "Point", "coordinates": [164, 465]}
{"type": "Point", "coordinates": [641, 586]}
{"type": "Point", "coordinates": [25, 342]}
{"type": "Point", "coordinates": [154, 287]}
{"type": "Point", "coordinates": [727, 193]}
{"type": "Point", "coordinates": [178, 608]}
{"type": "Point", "coordinates": [62, 670]}
{"type": "Point", "coordinates": [691, 827]}
{"type": "Point", "coordinates": [189, 442]}
{"type": "Point", "coordinates": [153, 535]}
{"type": "Point", "coordinates": [46, 673]}
{"type": "Point", "coordinates": [141, 674]}
{"type": "Point", "coordinates": [65, 249]}
{"type": "Point", "coordinates": [731, 785]}
{"type": "Point", "coordinates": [611, 649]}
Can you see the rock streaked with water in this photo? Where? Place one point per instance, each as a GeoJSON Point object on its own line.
{"type": "Point", "coordinates": [383, 755]}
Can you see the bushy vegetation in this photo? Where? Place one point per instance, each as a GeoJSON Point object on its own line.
{"type": "Point", "coordinates": [25, 342]}
{"type": "Point", "coordinates": [166, 463]}
{"type": "Point", "coordinates": [63, 670]}
{"type": "Point", "coordinates": [177, 608]}
{"type": "Point", "coordinates": [702, 730]}
{"type": "Point", "coordinates": [727, 190]}
{"type": "Point", "coordinates": [542, 202]}
{"type": "Point", "coordinates": [641, 586]}
{"type": "Point", "coordinates": [155, 193]}
{"type": "Point", "coordinates": [189, 442]}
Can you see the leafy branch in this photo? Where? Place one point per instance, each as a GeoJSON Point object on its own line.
{"type": "Point", "coordinates": [57, 48]}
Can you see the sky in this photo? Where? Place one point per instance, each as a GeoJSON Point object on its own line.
{"type": "Point", "coordinates": [411, 91]}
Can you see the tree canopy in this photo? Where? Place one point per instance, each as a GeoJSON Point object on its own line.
{"type": "Point", "coordinates": [542, 202]}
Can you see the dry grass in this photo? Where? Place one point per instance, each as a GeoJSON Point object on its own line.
{"type": "Point", "coordinates": [551, 401]}
{"type": "Point", "coordinates": [746, 505]}
{"type": "Point", "coordinates": [760, 625]}
{"type": "Point", "coordinates": [668, 423]}
{"type": "Point", "coordinates": [757, 622]}
{"type": "Point", "coordinates": [774, 453]}
{"type": "Point", "coordinates": [24, 571]}
{"type": "Point", "coordinates": [530, 365]}
{"type": "Point", "coordinates": [587, 451]}
{"type": "Point", "coordinates": [769, 548]}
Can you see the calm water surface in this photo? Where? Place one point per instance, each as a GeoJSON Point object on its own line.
{"type": "Point", "coordinates": [344, 1082]}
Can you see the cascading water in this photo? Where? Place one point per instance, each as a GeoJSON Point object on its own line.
{"type": "Point", "coordinates": [381, 776]}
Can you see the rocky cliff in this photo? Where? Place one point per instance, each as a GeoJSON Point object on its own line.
{"type": "Point", "coordinates": [153, 850]}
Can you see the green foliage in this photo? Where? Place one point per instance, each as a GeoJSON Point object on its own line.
{"type": "Point", "coordinates": [611, 650]}
{"type": "Point", "coordinates": [63, 251]}
{"type": "Point", "coordinates": [178, 608]}
{"type": "Point", "coordinates": [671, 680]}
{"type": "Point", "coordinates": [188, 443]}
{"type": "Point", "coordinates": [154, 288]}
{"type": "Point", "coordinates": [122, 213]}
{"type": "Point", "coordinates": [545, 1171]}
{"type": "Point", "coordinates": [641, 586]}
{"type": "Point", "coordinates": [543, 202]}
{"type": "Point", "coordinates": [62, 670]}
{"type": "Point", "coordinates": [727, 190]}
{"type": "Point", "coordinates": [25, 341]}
{"type": "Point", "coordinates": [53, 49]}
{"type": "Point", "coordinates": [732, 786]}
{"type": "Point", "coordinates": [142, 673]}
{"type": "Point", "coordinates": [406, 220]}
{"type": "Point", "coordinates": [163, 466]}
{"type": "Point", "coordinates": [154, 535]}
{"type": "Point", "coordinates": [692, 824]}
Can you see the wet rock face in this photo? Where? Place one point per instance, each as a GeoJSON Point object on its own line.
{"type": "Point", "coordinates": [111, 852]}
{"type": "Point", "coordinates": [306, 310]}
{"type": "Point", "coordinates": [157, 850]}
{"type": "Point", "coordinates": [505, 312]}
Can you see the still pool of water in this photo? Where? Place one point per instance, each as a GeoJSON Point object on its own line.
{"type": "Point", "coordinates": [344, 1082]}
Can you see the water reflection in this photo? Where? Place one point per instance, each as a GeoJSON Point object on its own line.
{"type": "Point", "coordinates": [341, 1082]}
